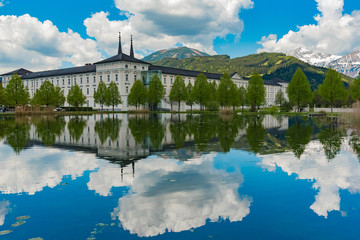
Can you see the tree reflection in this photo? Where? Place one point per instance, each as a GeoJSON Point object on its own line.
{"type": "Point", "coordinates": [255, 133]}
{"type": "Point", "coordinates": [227, 130]}
{"type": "Point", "coordinates": [355, 144]}
{"type": "Point", "coordinates": [203, 128]}
{"type": "Point", "coordinates": [48, 128]}
{"type": "Point", "coordinates": [331, 139]}
{"type": "Point", "coordinates": [298, 136]}
{"type": "Point", "coordinates": [178, 131]}
{"type": "Point", "coordinates": [18, 133]}
{"type": "Point", "coordinates": [156, 131]}
{"type": "Point", "coordinates": [138, 125]}
{"type": "Point", "coordinates": [110, 127]}
{"type": "Point", "coordinates": [76, 127]}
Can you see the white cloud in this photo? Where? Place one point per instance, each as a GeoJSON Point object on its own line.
{"type": "Point", "coordinates": [168, 195]}
{"type": "Point", "coordinates": [342, 172]}
{"type": "Point", "coordinates": [35, 168]}
{"type": "Point", "coordinates": [334, 33]}
{"type": "Point", "coordinates": [27, 42]}
{"type": "Point", "coordinates": [162, 24]}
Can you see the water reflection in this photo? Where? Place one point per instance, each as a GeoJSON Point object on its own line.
{"type": "Point", "coordinates": [4, 209]}
{"type": "Point", "coordinates": [172, 196]}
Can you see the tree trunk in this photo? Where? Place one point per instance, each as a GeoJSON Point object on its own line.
{"type": "Point", "coordinates": [179, 106]}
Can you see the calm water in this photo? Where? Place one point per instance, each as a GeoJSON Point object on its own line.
{"type": "Point", "coordinates": [178, 177]}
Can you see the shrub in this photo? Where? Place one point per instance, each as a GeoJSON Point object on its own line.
{"type": "Point", "coordinates": [274, 109]}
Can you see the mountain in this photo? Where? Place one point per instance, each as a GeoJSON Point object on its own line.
{"type": "Point", "coordinates": [270, 65]}
{"type": "Point", "coordinates": [348, 65]}
{"type": "Point", "coordinates": [180, 53]}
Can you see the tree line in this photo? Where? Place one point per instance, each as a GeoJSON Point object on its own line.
{"type": "Point", "coordinates": [206, 94]}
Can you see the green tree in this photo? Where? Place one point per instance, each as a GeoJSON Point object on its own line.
{"type": "Point", "coordinates": [331, 139]}
{"type": "Point", "coordinates": [113, 97]}
{"type": "Point", "coordinates": [100, 94]}
{"type": "Point", "coordinates": [15, 92]}
{"type": "Point", "coordinates": [2, 95]}
{"type": "Point", "coordinates": [299, 91]}
{"type": "Point", "coordinates": [255, 94]}
{"type": "Point", "coordinates": [75, 97]}
{"type": "Point", "coordinates": [156, 93]}
{"type": "Point", "coordinates": [48, 95]}
{"type": "Point", "coordinates": [212, 91]}
{"type": "Point", "coordinates": [226, 93]}
{"type": "Point", "coordinates": [332, 88]}
{"type": "Point", "coordinates": [355, 89]}
{"type": "Point", "coordinates": [137, 95]}
{"type": "Point", "coordinates": [178, 91]}
{"type": "Point", "coordinates": [76, 127]}
{"type": "Point", "coordinates": [298, 136]}
{"type": "Point", "coordinates": [200, 93]}
{"type": "Point", "coordinates": [242, 97]}
{"type": "Point", "coordinates": [280, 98]}
{"type": "Point", "coordinates": [190, 101]}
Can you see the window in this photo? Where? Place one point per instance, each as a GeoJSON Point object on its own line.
{"type": "Point", "coordinates": [87, 80]}
{"type": "Point", "coordinates": [100, 78]}
{"type": "Point", "coordinates": [134, 67]}
{"type": "Point", "coordinates": [164, 80]}
{"type": "Point", "coordinates": [94, 90]}
{"type": "Point", "coordinates": [127, 89]}
{"type": "Point", "coordinates": [126, 66]}
{"type": "Point", "coordinates": [135, 78]}
{"type": "Point", "coordinates": [68, 81]}
{"type": "Point", "coordinates": [94, 79]}
{"type": "Point", "coordinates": [116, 77]}
{"type": "Point", "coordinates": [63, 82]}
{"type": "Point", "coordinates": [37, 84]}
{"type": "Point", "coordinates": [87, 91]}
{"type": "Point", "coordinates": [108, 77]}
{"type": "Point", "coordinates": [74, 80]}
{"type": "Point", "coordinates": [127, 77]}
{"type": "Point", "coordinates": [171, 80]}
{"type": "Point", "coordinates": [81, 80]}
{"type": "Point", "coordinates": [143, 68]}
{"type": "Point", "coordinates": [57, 82]}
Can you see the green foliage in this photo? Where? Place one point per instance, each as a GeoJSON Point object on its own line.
{"type": "Point", "coordinates": [355, 89]}
{"type": "Point", "coordinates": [280, 98]}
{"type": "Point", "coordinates": [139, 128]}
{"type": "Point", "coordinates": [286, 107]}
{"type": "Point", "coordinates": [75, 97]}
{"type": "Point", "coordinates": [178, 133]}
{"type": "Point", "coordinates": [156, 132]}
{"type": "Point", "coordinates": [113, 96]}
{"type": "Point", "coordinates": [156, 92]}
{"type": "Point", "coordinates": [190, 101]}
{"type": "Point", "coordinates": [15, 92]}
{"type": "Point", "coordinates": [330, 138]}
{"type": "Point", "coordinates": [255, 134]}
{"type": "Point", "coordinates": [212, 105]}
{"type": "Point", "coordinates": [2, 95]}
{"type": "Point", "coordinates": [227, 93]}
{"type": "Point", "coordinates": [178, 91]}
{"type": "Point", "coordinates": [317, 100]}
{"type": "Point", "coordinates": [298, 136]}
{"type": "Point", "coordinates": [18, 134]}
{"type": "Point", "coordinates": [227, 131]}
{"type": "Point", "coordinates": [269, 65]}
{"type": "Point", "coordinates": [108, 128]}
{"type": "Point", "coordinates": [332, 89]}
{"type": "Point", "coordinates": [212, 91]}
{"type": "Point", "coordinates": [299, 91]}
{"type": "Point", "coordinates": [49, 128]}
{"type": "Point", "coordinates": [274, 109]}
{"type": "Point", "coordinates": [49, 95]}
{"type": "Point", "coordinates": [100, 94]}
{"type": "Point", "coordinates": [76, 127]}
{"type": "Point", "coordinates": [200, 93]}
{"type": "Point", "coordinates": [255, 94]}
{"type": "Point", "coordinates": [180, 53]}
{"type": "Point", "coordinates": [138, 94]}
{"type": "Point", "coordinates": [242, 96]}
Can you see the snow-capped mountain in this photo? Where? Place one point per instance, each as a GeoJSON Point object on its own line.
{"type": "Point", "coordinates": [313, 58]}
{"type": "Point", "coordinates": [348, 64]}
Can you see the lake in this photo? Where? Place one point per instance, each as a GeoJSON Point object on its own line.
{"type": "Point", "coordinates": [178, 177]}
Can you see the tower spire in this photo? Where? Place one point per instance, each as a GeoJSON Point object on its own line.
{"type": "Point", "coordinates": [131, 48]}
{"type": "Point", "coordinates": [119, 49]}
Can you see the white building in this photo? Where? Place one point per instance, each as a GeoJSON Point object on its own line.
{"type": "Point", "coordinates": [124, 70]}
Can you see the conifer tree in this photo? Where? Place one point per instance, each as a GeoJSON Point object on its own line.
{"type": "Point", "coordinates": [100, 94]}
{"type": "Point", "coordinates": [200, 93]}
{"type": "Point", "coordinates": [48, 95]}
{"type": "Point", "coordinates": [255, 94]}
{"type": "Point", "coordinates": [2, 95]}
{"type": "Point", "coordinates": [280, 98]}
{"type": "Point", "coordinates": [137, 95]}
{"type": "Point", "coordinates": [332, 88]}
{"type": "Point", "coordinates": [242, 97]}
{"type": "Point", "coordinates": [112, 95]}
{"type": "Point", "coordinates": [355, 89]}
{"type": "Point", "coordinates": [299, 91]}
{"type": "Point", "coordinates": [156, 92]}
{"type": "Point", "coordinates": [178, 91]}
{"type": "Point", "coordinates": [227, 92]}
{"type": "Point", "coordinates": [75, 97]}
{"type": "Point", "coordinates": [15, 92]}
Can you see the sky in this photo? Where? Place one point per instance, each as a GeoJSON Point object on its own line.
{"type": "Point", "coordinates": [42, 34]}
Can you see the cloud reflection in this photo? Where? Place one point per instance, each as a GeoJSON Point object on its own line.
{"type": "Point", "coordinates": [4, 209]}
{"type": "Point", "coordinates": [168, 195]}
{"type": "Point", "coordinates": [342, 172]}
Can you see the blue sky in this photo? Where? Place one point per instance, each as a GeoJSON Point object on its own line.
{"type": "Point", "coordinates": [237, 30]}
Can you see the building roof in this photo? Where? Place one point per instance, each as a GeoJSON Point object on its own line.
{"type": "Point", "coordinates": [20, 72]}
{"type": "Point", "coordinates": [271, 82]}
{"type": "Point", "coordinates": [121, 57]}
{"type": "Point", "coordinates": [65, 71]}
{"type": "Point", "coordinates": [183, 72]}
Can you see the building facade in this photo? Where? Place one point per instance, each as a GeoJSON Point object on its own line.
{"type": "Point", "coordinates": [124, 70]}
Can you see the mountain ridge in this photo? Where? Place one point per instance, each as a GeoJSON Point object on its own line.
{"type": "Point", "coordinates": [179, 53]}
